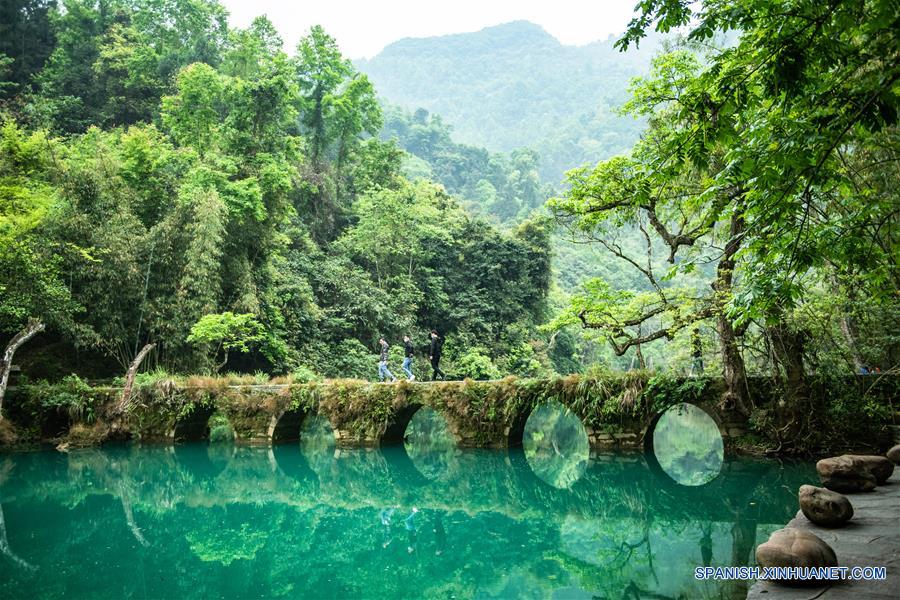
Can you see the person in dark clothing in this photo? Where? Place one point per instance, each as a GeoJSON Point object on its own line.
{"type": "Point", "coordinates": [434, 355]}
{"type": "Point", "coordinates": [383, 371]}
{"type": "Point", "coordinates": [408, 353]}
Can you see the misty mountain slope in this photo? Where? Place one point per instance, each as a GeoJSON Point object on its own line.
{"type": "Point", "coordinates": [515, 85]}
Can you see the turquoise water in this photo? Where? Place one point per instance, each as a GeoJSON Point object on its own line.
{"type": "Point", "coordinates": [219, 521]}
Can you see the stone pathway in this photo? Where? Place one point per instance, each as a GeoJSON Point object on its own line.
{"type": "Point", "coordinates": [870, 539]}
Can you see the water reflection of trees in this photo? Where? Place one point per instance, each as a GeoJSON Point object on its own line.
{"type": "Point", "coordinates": [615, 527]}
{"type": "Point", "coordinates": [430, 445]}
{"type": "Point", "coordinates": [556, 444]}
{"type": "Point", "coordinates": [688, 445]}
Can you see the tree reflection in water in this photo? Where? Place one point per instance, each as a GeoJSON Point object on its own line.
{"type": "Point", "coordinates": [688, 446]}
{"type": "Point", "coordinates": [556, 444]}
{"type": "Point", "coordinates": [430, 444]}
{"type": "Point", "coordinates": [264, 525]}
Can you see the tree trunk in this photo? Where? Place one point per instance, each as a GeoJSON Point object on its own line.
{"type": "Point", "coordinates": [7, 551]}
{"type": "Point", "coordinates": [788, 347]}
{"type": "Point", "coordinates": [847, 332]}
{"type": "Point", "coordinates": [794, 420]}
{"type": "Point", "coordinates": [132, 371]}
{"type": "Point", "coordinates": [223, 363]}
{"type": "Point", "coordinates": [733, 370]}
{"type": "Point", "coordinates": [33, 328]}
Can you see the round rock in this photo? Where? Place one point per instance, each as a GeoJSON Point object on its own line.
{"type": "Point", "coordinates": [791, 547]}
{"type": "Point", "coordinates": [879, 466]}
{"type": "Point", "coordinates": [894, 454]}
{"type": "Point", "coordinates": [824, 507]}
{"type": "Point", "coordinates": [845, 474]}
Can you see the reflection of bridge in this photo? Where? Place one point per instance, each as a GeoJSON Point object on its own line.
{"type": "Point", "coordinates": [311, 507]}
{"type": "Point", "coordinates": [621, 486]}
{"type": "Point", "coordinates": [478, 414]}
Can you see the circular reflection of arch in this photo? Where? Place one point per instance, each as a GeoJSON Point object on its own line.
{"type": "Point", "coordinates": [686, 445]}
{"type": "Point", "coordinates": [293, 463]}
{"type": "Point", "coordinates": [317, 443]}
{"type": "Point", "coordinates": [556, 445]}
{"type": "Point", "coordinates": [430, 444]}
{"type": "Point", "coordinates": [202, 461]}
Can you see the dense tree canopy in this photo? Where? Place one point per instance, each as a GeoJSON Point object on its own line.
{"type": "Point", "coordinates": [159, 169]}
{"type": "Point", "coordinates": [768, 163]}
{"type": "Point", "coordinates": [160, 172]}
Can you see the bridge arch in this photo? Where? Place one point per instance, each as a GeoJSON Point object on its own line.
{"type": "Point", "coordinates": [685, 444]}
{"type": "Point", "coordinates": [194, 426]}
{"type": "Point", "coordinates": [395, 431]}
{"type": "Point", "coordinates": [550, 442]}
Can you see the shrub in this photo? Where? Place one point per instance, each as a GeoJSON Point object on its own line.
{"type": "Point", "coordinates": [476, 364]}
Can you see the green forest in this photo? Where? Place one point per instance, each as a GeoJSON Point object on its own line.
{"type": "Point", "coordinates": [167, 179]}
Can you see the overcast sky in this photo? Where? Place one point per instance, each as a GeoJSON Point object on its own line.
{"type": "Point", "coordinates": [362, 28]}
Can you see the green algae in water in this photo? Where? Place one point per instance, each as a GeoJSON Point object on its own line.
{"type": "Point", "coordinates": [196, 521]}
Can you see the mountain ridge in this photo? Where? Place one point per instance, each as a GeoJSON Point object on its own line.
{"type": "Point", "coordinates": [514, 85]}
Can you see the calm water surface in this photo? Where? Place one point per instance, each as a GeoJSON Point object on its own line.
{"type": "Point", "coordinates": [421, 520]}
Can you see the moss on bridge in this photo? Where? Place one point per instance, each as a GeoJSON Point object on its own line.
{"type": "Point", "coordinates": [615, 410]}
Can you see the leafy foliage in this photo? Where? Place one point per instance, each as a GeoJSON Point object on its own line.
{"type": "Point", "coordinates": [193, 186]}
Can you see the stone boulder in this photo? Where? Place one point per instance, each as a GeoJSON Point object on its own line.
{"type": "Point", "coordinates": [894, 454]}
{"type": "Point", "coordinates": [792, 547]}
{"type": "Point", "coordinates": [845, 474]}
{"type": "Point", "coordinates": [824, 507]}
{"type": "Point", "coordinates": [879, 466]}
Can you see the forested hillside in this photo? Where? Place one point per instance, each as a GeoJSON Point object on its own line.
{"type": "Point", "coordinates": [514, 86]}
{"type": "Point", "coordinates": [168, 180]}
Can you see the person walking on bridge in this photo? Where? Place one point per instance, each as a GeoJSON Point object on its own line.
{"type": "Point", "coordinates": [408, 354]}
{"type": "Point", "coordinates": [383, 371]}
{"type": "Point", "coordinates": [434, 355]}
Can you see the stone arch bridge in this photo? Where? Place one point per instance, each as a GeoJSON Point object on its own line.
{"type": "Point", "coordinates": [478, 413]}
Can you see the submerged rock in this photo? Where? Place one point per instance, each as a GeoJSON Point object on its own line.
{"type": "Point", "coordinates": [845, 474]}
{"type": "Point", "coordinates": [824, 507]}
{"type": "Point", "coordinates": [894, 454]}
{"type": "Point", "coordinates": [791, 547]}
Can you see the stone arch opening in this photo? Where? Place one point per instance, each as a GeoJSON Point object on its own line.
{"type": "Point", "coordinates": [195, 425]}
{"type": "Point", "coordinates": [317, 435]}
{"type": "Point", "coordinates": [430, 444]}
{"type": "Point", "coordinates": [285, 428]}
{"type": "Point", "coordinates": [395, 431]}
{"type": "Point", "coordinates": [516, 431]}
{"type": "Point", "coordinates": [555, 444]}
{"type": "Point", "coordinates": [56, 424]}
{"type": "Point", "coordinates": [220, 429]}
{"type": "Point", "coordinates": [685, 445]}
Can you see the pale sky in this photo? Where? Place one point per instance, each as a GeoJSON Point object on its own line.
{"type": "Point", "coordinates": [363, 28]}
